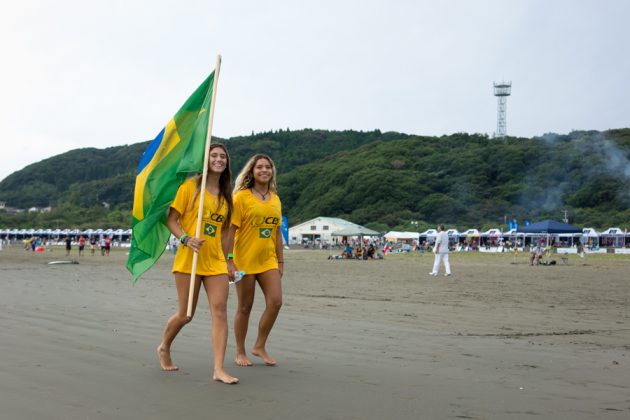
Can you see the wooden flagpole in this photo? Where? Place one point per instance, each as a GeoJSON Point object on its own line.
{"type": "Point", "coordinates": [206, 157]}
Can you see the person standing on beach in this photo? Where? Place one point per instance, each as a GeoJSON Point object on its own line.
{"type": "Point", "coordinates": [92, 244]}
{"type": "Point", "coordinates": [101, 244]}
{"type": "Point", "coordinates": [68, 245]}
{"type": "Point", "coordinates": [81, 245]}
{"type": "Point", "coordinates": [256, 239]}
{"type": "Point", "coordinates": [108, 244]}
{"type": "Point", "coordinates": [211, 247]}
{"type": "Point", "coordinates": [441, 252]}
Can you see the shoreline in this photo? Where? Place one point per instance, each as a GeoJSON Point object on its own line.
{"type": "Point", "coordinates": [355, 339]}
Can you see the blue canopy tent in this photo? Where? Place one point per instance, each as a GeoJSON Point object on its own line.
{"type": "Point", "coordinates": [549, 228]}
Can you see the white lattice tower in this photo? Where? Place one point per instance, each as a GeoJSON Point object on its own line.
{"type": "Point", "coordinates": [502, 91]}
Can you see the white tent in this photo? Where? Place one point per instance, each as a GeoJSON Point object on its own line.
{"type": "Point", "coordinates": [613, 237]}
{"type": "Point", "coordinates": [427, 236]}
{"type": "Point", "coordinates": [453, 233]}
{"type": "Point", "coordinates": [590, 233]}
{"type": "Point", "coordinates": [394, 236]}
{"type": "Point", "coordinates": [612, 231]}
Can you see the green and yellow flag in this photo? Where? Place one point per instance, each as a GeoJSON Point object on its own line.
{"type": "Point", "coordinates": [176, 152]}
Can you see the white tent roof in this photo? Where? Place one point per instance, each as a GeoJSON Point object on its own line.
{"type": "Point", "coordinates": [328, 220]}
{"type": "Point", "coordinates": [401, 235]}
{"type": "Point", "coordinates": [471, 232]}
{"type": "Point", "coordinates": [429, 232]}
{"type": "Point", "coordinates": [613, 231]}
{"type": "Point", "coordinates": [492, 232]}
{"type": "Point", "coordinates": [590, 232]}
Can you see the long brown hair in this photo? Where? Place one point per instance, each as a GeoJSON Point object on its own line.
{"type": "Point", "coordinates": [225, 185]}
{"type": "Point", "coordinates": [245, 179]}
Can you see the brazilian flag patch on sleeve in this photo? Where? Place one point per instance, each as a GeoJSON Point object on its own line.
{"type": "Point", "coordinates": [264, 232]}
{"type": "Point", "coordinates": [210, 230]}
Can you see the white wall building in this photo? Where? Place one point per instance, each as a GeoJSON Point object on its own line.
{"type": "Point", "coordinates": [318, 229]}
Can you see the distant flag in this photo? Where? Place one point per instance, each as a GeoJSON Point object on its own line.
{"type": "Point", "coordinates": [176, 152]}
{"type": "Point", "coordinates": [285, 229]}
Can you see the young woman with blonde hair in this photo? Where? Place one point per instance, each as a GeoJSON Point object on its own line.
{"type": "Point", "coordinates": [211, 263]}
{"type": "Point", "coordinates": [257, 250]}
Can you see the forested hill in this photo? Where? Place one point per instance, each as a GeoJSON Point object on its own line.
{"type": "Point", "coordinates": [384, 180]}
{"type": "Point", "coordinates": [89, 176]}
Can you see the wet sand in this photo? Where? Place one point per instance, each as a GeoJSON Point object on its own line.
{"type": "Point", "coordinates": [355, 340]}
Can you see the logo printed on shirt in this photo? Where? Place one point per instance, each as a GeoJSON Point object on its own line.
{"type": "Point", "coordinates": [215, 217]}
{"type": "Point", "coordinates": [265, 220]}
{"type": "Point", "coordinates": [264, 232]}
{"type": "Point", "coordinates": [210, 230]}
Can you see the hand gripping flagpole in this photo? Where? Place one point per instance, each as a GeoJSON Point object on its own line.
{"type": "Point", "coordinates": [206, 156]}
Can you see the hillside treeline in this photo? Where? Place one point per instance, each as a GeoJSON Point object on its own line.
{"type": "Point", "coordinates": [382, 180]}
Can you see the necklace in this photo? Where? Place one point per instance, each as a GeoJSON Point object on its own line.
{"type": "Point", "coordinates": [263, 196]}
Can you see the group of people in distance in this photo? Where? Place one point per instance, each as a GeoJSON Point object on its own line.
{"type": "Point", "coordinates": [359, 253]}
{"type": "Point", "coordinates": [105, 243]}
{"type": "Point", "coordinates": [240, 234]}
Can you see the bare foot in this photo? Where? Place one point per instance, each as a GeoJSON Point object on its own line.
{"type": "Point", "coordinates": [222, 376]}
{"type": "Point", "coordinates": [164, 356]}
{"type": "Point", "coordinates": [242, 360]}
{"type": "Point", "coordinates": [269, 361]}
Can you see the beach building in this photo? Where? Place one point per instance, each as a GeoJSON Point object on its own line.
{"type": "Point", "coordinates": [319, 229]}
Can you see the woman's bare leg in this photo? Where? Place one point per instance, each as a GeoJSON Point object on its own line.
{"type": "Point", "coordinates": [217, 291]}
{"type": "Point", "coordinates": [178, 319]}
{"type": "Point", "coordinates": [245, 290]}
{"type": "Point", "coordinates": [272, 288]}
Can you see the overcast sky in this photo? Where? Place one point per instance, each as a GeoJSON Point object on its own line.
{"type": "Point", "coordinates": [97, 74]}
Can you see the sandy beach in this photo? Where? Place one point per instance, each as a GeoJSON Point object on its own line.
{"type": "Point", "coordinates": [500, 339]}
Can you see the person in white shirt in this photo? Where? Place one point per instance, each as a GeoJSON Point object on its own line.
{"type": "Point", "coordinates": [441, 252]}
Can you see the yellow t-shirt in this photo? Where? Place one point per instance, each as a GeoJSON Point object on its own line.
{"type": "Point", "coordinates": [211, 260]}
{"type": "Point", "coordinates": [258, 223]}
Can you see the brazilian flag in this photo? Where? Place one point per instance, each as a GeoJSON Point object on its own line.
{"type": "Point", "coordinates": [176, 152]}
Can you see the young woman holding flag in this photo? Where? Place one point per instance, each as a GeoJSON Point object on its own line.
{"type": "Point", "coordinates": [255, 247]}
{"type": "Point", "coordinates": [211, 264]}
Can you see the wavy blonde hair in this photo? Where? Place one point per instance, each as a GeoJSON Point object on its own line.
{"type": "Point", "coordinates": [245, 179]}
